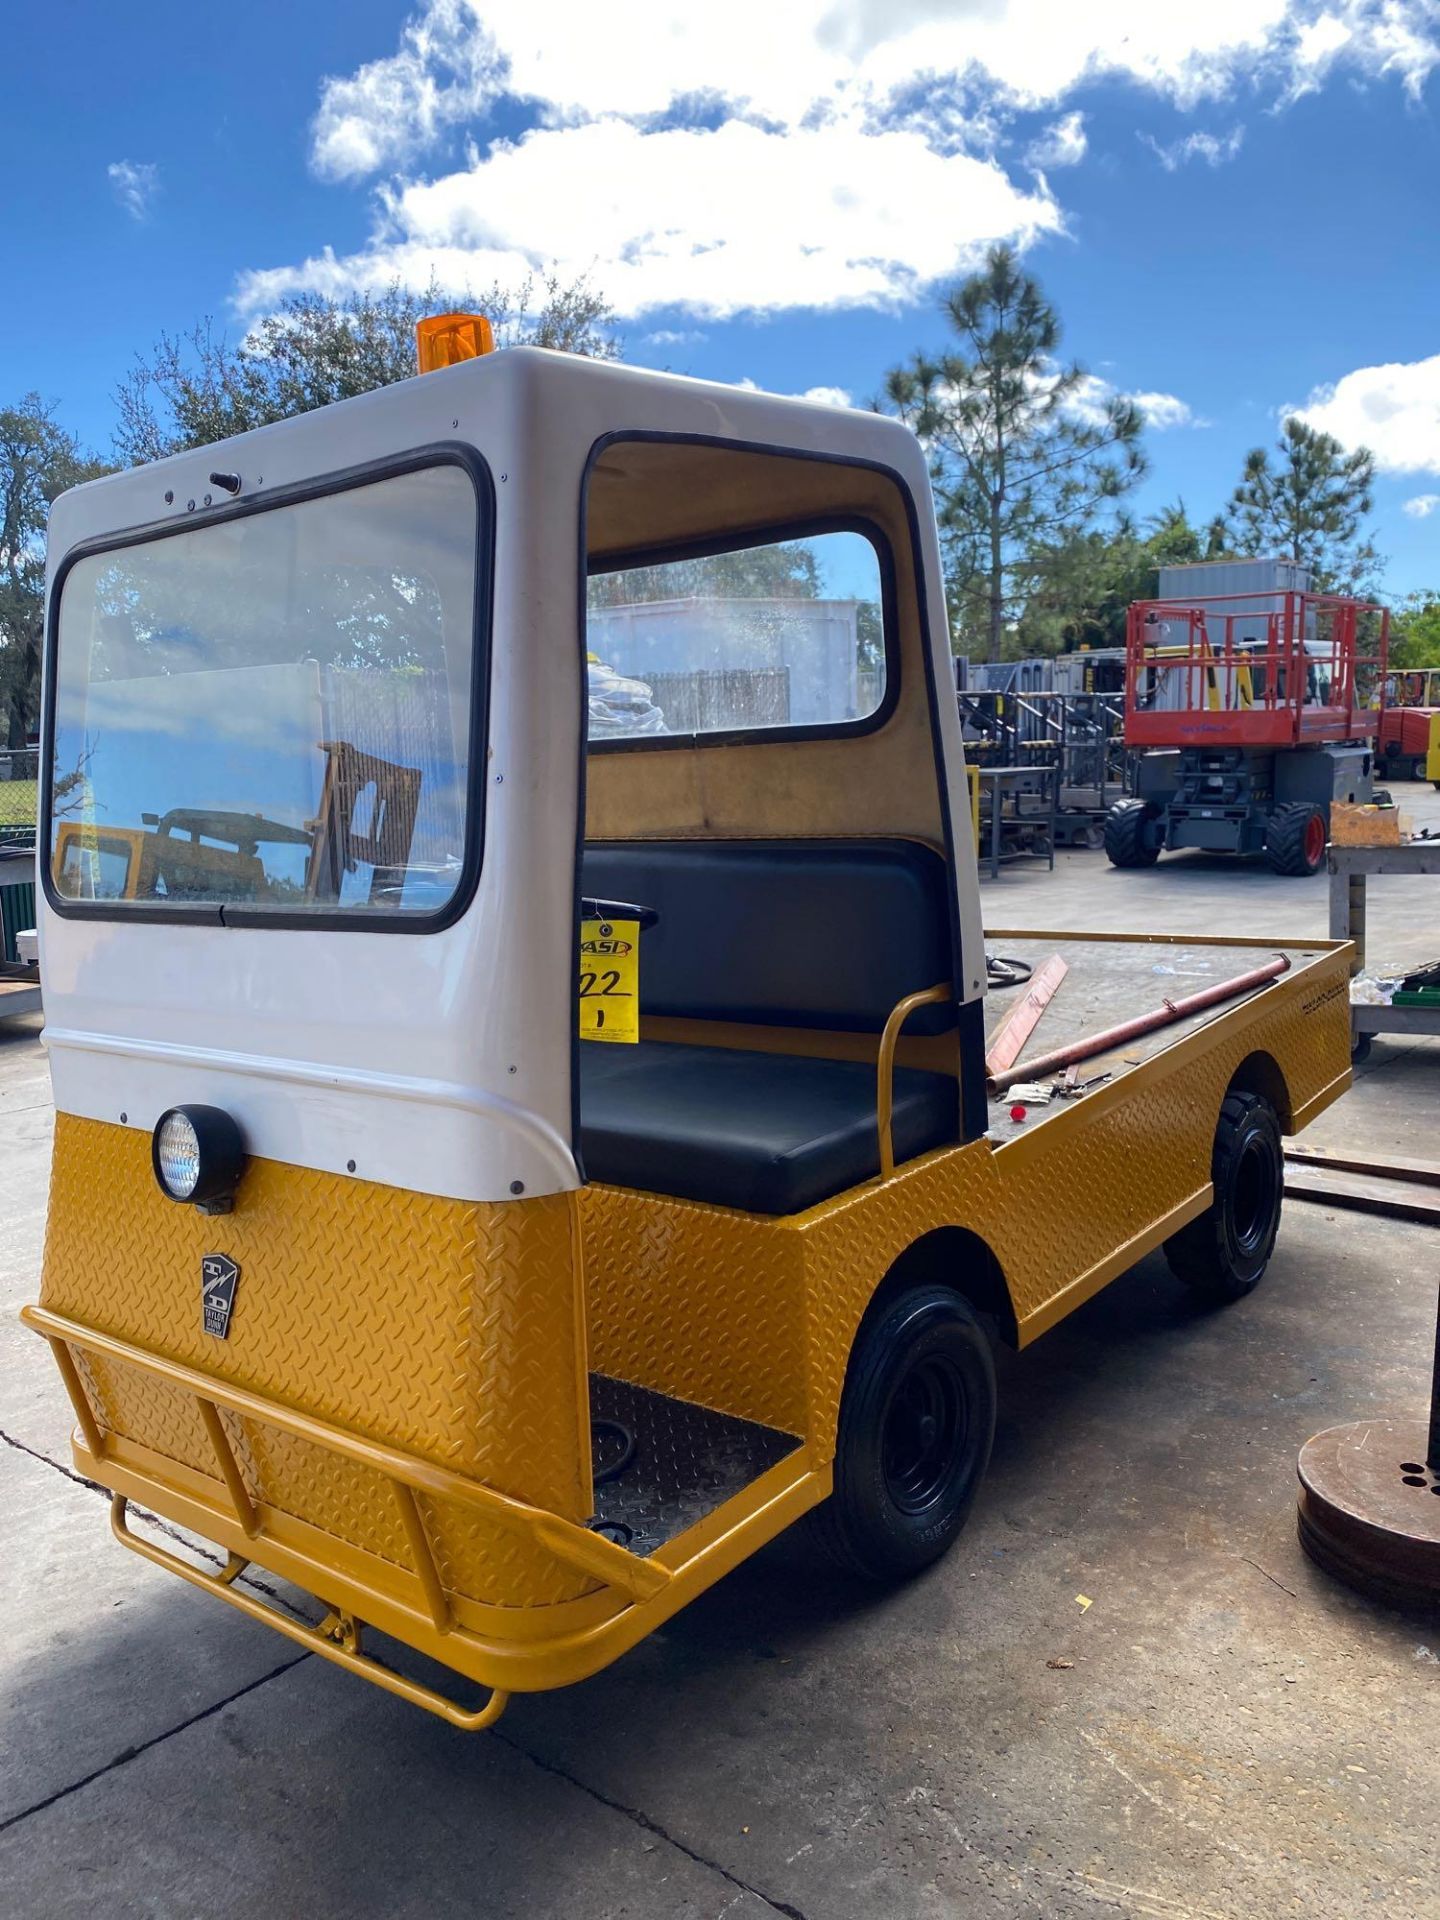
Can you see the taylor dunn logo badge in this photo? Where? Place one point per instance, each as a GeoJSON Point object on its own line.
{"type": "Point", "coordinates": [219, 1277]}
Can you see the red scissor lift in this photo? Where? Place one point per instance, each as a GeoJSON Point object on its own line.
{"type": "Point", "coordinates": [1252, 713]}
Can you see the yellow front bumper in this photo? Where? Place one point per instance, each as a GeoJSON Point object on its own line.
{"type": "Point", "coordinates": [507, 1649]}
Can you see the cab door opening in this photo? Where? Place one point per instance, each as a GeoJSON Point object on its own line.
{"type": "Point", "coordinates": [788, 924]}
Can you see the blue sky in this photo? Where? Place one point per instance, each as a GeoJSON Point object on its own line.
{"type": "Point", "coordinates": [1233, 205]}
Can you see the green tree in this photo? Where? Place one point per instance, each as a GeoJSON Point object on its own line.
{"type": "Point", "coordinates": [38, 461]}
{"type": "Point", "coordinates": [1415, 630]}
{"type": "Point", "coordinates": [1023, 449]}
{"type": "Point", "coordinates": [197, 387]}
{"type": "Point", "coordinates": [1085, 581]}
{"type": "Point", "coordinates": [1307, 505]}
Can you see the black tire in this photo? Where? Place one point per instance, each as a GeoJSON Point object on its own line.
{"type": "Point", "coordinates": [1223, 1254]}
{"type": "Point", "coordinates": [1295, 838]}
{"type": "Point", "coordinates": [917, 1421]}
{"type": "Point", "coordinates": [1360, 1049]}
{"type": "Point", "coordinates": [1127, 842]}
{"type": "Point", "coordinates": [1417, 766]}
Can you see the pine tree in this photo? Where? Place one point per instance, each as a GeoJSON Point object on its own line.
{"type": "Point", "coordinates": [1307, 506]}
{"type": "Point", "coordinates": [1024, 450]}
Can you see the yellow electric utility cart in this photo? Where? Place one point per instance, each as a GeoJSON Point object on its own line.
{"type": "Point", "coordinates": [524, 1138]}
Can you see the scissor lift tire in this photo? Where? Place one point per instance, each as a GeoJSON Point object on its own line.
{"type": "Point", "coordinates": [1293, 842]}
{"type": "Point", "coordinates": [1127, 843]}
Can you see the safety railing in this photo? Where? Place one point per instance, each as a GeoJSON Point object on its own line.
{"type": "Point", "coordinates": [1254, 669]}
{"type": "Point", "coordinates": [338, 1637]}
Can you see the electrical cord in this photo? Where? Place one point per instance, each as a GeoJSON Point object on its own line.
{"type": "Point", "coordinates": [1003, 972]}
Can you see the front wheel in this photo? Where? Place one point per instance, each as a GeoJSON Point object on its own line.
{"type": "Point", "coordinates": [1223, 1254]}
{"type": "Point", "coordinates": [1295, 839]}
{"type": "Point", "coordinates": [917, 1421]}
{"type": "Point", "coordinates": [1418, 766]}
{"type": "Point", "coordinates": [1130, 839]}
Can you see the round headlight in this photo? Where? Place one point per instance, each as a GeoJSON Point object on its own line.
{"type": "Point", "coordinates": [198, 1154]}
{"type": "Point", "coordinates": [177, 1155]}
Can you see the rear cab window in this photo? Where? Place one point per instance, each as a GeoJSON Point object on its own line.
{"type": "Point", "coordinates": [780, 636]}
{"type": "Point", "coordinates": [271, 714]}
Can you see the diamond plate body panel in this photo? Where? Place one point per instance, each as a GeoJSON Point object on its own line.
{"type": "Point", "coordinates": [136, 1404]}
{"type": "Point", "coordinates": [687, 1461]}
{"type": "Point", "coordinates": [443, 1327]}
{"type": "Point", "coordinates": [701, 1302]}
{"type": "Point", "coordinates": [698, 1303]}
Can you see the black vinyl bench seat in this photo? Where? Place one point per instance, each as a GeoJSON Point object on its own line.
{"type": "Point", "coordinates": [767, 1132]}
{"type": "Point", "coordinates": [819, 934]}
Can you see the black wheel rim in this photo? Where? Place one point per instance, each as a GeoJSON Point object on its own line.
{"type": "Point", "coordinates": [1253, 1197]}
{"type": "Point", "coordinates": [926, 1424]}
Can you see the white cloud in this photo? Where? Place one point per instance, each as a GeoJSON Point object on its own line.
{"type": "Point", "coordinates": [707, 219]}
{"type": "Point", "coordinates": [1214, 149]}
{"type": "Point", "coordinates": [1394, 410]}
{"type": "Point", "coordinates": [135, 184]}
{"type": "Point", "coordinates": [1383, 39]}
{"type": "Point", "coordinates": [782, 64]}
{"type": "Point", "coordinates": [673, 337]}
{"type": "Point", "coordinates": [1062, 144]}
{"type": "Point", "coordinates": [1420, 506]}
{"type": "Point", "coordinates": [446, 69]}
{"type": "Point", "coordinates": [1165, 410]}
{"type": "Point", "coordinates": [1162, 411]}
{"type": "Point", "coordinates": [756, 157]}
{"type": "Point", "coordinates": [817, 396]}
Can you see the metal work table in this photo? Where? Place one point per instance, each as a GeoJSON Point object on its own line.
{"type": "Point", "coordinates": [1349, 869]}
{"type": "Point", "coordinates": [1037, 784]}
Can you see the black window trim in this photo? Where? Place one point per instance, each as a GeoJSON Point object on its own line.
{"type": "Point", "coordinates": [239, 914]}
{"type": "Point", "coordinates": [743, 540]}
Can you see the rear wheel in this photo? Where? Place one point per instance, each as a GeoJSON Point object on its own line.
{"type": "Point", "coordinates": [917, 1420]}
{"type": "Point", "coordinates": [1129, 839]}
{"type": "Point", "coordinates": [1223, 1255]}
{"type": "Point", "coordinates": [1295, 838]}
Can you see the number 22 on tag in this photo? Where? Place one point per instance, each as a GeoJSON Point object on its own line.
{"type": "Point", "coordinates": [610, 980]}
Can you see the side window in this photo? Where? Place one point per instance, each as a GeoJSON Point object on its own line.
{"type": "Point", "coordinates": [787, 634]}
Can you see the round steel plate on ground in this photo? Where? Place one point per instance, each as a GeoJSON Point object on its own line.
{"type": "Point", "coordinates": [1370, 1509]}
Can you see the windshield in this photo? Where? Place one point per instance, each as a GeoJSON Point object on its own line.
{"type": "Point", "coordinates": [273, 712]}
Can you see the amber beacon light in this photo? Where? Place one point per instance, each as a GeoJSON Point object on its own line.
{"type": "Point", "coordinates": [445, 339]}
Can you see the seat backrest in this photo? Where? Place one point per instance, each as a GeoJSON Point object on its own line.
{"type": "Point", "coordinates": [793, 933]}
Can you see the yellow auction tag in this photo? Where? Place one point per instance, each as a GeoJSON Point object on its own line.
{"type": "Point", "coordinates": [610, 980]}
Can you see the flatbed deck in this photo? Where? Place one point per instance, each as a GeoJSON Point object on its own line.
{"type": "Point", "coordinates": [1114, 978]}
